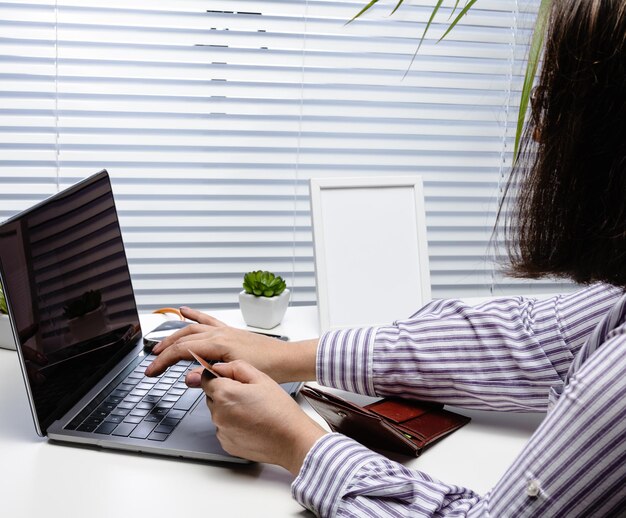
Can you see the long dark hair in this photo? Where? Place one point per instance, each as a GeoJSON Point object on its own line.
{"type": "Point", "coordinates": [569, 182]}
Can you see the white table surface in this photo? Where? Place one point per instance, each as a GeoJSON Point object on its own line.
{"type": "Point", "coordinates": [39, 478]}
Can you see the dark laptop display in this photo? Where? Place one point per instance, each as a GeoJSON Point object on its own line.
{"type": "Point", "coordinates": [73, 313]}
{"type": "Point", "coordinates": [66, 275]}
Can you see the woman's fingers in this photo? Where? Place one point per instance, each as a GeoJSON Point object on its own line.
{"type": "Point", "coordinates": [194, 377]}
{"type": "Point", "coordinates": [191, 329]}
{"type": "Point", "coordinates": [201, 317]}
{"type": "Point", "coordinates": [200, 344]}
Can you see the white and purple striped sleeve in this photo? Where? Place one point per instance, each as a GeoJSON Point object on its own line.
{"type": "Point", "coordinates": [504, 354]}
{"type": "Point", "coordinates": [573, 466]}
{"type": "Point", "coordinates": [340, 477]}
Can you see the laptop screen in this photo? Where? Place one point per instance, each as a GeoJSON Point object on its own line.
{"type": "Point", "coordinates": [70, 297]}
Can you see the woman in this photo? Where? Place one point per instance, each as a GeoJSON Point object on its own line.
{"type": "Point", "coordinates": [566, 354]}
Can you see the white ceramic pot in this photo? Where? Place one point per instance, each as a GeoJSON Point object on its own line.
{"type": "Point", "coordinates": [263, 312]}
{"type": "Point", "coordinates": [6, 335]}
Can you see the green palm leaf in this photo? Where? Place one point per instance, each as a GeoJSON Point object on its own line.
{"type": "Point", "coordinates": [3, 303]}
{"type": "Point", "coordinates": [463, 12]}
{"type": "Point", "coordinates": [534, 55]}
{"type": "Point", "coordinates": [430, 21]}
{"type": "Point", "coordinates": [396, 7]}
{"type": "Point", "coordinates": [365, 9]}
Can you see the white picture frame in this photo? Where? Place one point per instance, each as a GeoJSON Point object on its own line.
{"type": "Point", "coordinates": [370, 248]}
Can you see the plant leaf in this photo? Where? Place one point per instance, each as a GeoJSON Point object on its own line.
{"type": "Point", "coordinates": [362, 11]}
{"type": "Point", "coordinates": [430, 21]}
{"type": "Point", "coordinates": [396, 7]}
{"type": "Point", "coordinates": [456, 4]}
{"type": "Point", "coordinates": [534, 54]}
{"type": "Point", "coordinates": [463, 12]}
{"type": "Point", "coordinates": [3, 303]}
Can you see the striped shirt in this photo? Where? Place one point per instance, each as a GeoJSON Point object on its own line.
{"type": "Point", "coordinates": [566, 354]}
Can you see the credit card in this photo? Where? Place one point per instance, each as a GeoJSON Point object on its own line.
{"type": "Point", "coordinates": [205, 364]}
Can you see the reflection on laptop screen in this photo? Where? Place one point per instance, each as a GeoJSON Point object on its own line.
{"type": "Point", "coordinates": [69, 292]}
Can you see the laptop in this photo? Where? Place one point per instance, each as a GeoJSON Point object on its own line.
{"type": "Point", "coordinates": [74, 317]}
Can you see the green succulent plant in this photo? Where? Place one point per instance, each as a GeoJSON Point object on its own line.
{"type": "Point", "coordinates": [87, 302]}
{"type": "Point", "coordinates": [263, 284]}
{"type": "Point", "coordinates": [3, 304]}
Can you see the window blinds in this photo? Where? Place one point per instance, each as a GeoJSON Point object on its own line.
{"type": "Point", "coordinates": [212, 115]}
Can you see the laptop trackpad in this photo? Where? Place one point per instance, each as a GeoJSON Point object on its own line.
{"type": "Point", "coordinates": [199, 417]}
{"type": "Point", "coordinates": [196, 431]}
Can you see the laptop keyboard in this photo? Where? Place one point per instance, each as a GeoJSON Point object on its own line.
{"type": "Point", "coordinates": [137, 406]}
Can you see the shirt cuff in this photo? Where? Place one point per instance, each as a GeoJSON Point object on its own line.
{"type": "Point", "coordinates": [344, 360]}
{"type": "Point", "coordinates": [327, 470]}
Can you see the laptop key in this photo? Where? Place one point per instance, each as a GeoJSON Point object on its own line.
{"type": "Point", "coordinates": [128, 406]}
{"type": "Point", "coordinates": [134, 419]}
{"type": "Point", "coordinates": [132, 399]}
{"type": "Point", "coordinates": [114, 419]}
{"type": "Point", "coordinates": [163, 428]}
{"type": "Point", "coordinates": [94, 420]}
{"type": "Point", "coordinates": [87, 427]}
{"type": "Point", "coordinates": [124, 429]}
{"type": "Point", "coordinates": [107, 407]}
{"type": "Point", "coordinates": [157, 410]}
{"type": "Point", "coordinates": [143, 430]}
{"type": "Point", "coordinates": [106, 428]}
{"type": "Point", "coordinates": [176, 414]}
{"type": "Point", "coordinates": [146, 405]}
{"type": "Point", "coordinates": [168, 421]}
{"type": "Point", "coordinates": [153, 418]}
{"type": "Point", "coordinates": [157, 436]}
{"type": "Point", "coordinates": [187, 400]}
{"type": "Point", "coordinates": [139, 411]}
{"type": "Point", "coordinates": [151, 398]}
{"type": "Point", "coordinates": [120, 411]}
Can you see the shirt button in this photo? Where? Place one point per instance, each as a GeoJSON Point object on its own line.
{"type": "Point", "coordinates": [532, 488]}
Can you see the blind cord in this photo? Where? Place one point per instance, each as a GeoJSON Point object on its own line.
{"type": "Point", "coordinates": [297, 164]}
{"type": "Point", "coordinates": [503, 153]}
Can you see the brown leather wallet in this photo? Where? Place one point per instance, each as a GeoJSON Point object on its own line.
{"type": "Point", "coordinates": [398, 425]}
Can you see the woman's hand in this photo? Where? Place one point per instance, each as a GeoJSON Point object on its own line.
{"type": "Point", "coordinates": [215, 341]}
{"type": "Point", "coordinates": [256, 419]}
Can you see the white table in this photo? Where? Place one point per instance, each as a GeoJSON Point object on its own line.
{"type": "Point", "coordinates": [38, 478]}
